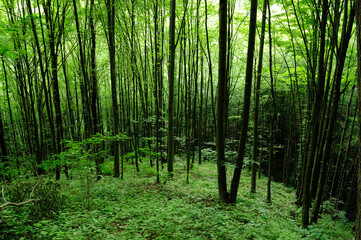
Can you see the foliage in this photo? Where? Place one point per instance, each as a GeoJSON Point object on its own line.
{"type": "Point", "coordinates": [20, 221]}
{"type": "Point", "coordinates": [136, 208]}
{"type": "Point", "coordinates": [50, 203]}
{"type": "Point", "coordinates": [209, 154]}
{"type": "Point", "coordinates": [82, 154]}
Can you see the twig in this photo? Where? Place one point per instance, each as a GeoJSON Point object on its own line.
{"type": "Point", "coordinates": [17, 204]}
{"type": "Point", "coordinates": [33, 189]}
{"type": "Point", "coordinates": [2, 193]}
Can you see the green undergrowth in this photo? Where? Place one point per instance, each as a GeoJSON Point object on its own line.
{"type": "Point", "coordinates": [138, 208]}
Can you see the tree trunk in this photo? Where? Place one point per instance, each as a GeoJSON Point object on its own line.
{"type": "Point", "coordinates": [94, 86]}
{"type": "Point", "coordinates": [341, 149]}
{"type": "Point", "coordinates": [315, 118]}
{"type": "Point", "coordinates": [358, 30]}
{"type": "Point", "coordinates": [84, 82]}
{"type": "Point", "coordinates": [172, 46]}
{"type": "Point", "coordinates": [113, 77]}
{"type": "Point", "coordinates": [274, 111]}
{"type": "Point", "coordinates": [346, 34]}
{"type": "Point", "coordinates": [256, 100]}
{"type": "Point", "coordinates": [246, 103]}
{"type": "Point", "coordinates": [4, 151]}
{"type": "Point", "coordinates": [210, 71]}
{"type": "Point", "coordinates": [56, 94]}
{"type": "Point", "coordinates": [220, 127]}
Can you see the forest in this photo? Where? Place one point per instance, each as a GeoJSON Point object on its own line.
{"type": "Point", "coordinates": [188, 119]}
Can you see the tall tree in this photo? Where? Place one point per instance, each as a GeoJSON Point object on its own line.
{"type": "Point", "coordinates": [94, 83]}
{"type": "Point", "coordinates": [52, 20]}
{"type": "Point", "coordinates": [274, 112]}
{"type": "Point", "coordinates": [43, 76]}
{"type": "Point", "coordinates": [220, 127]}
{"type": "Point", "coordinates": [84, 82]}
{"type": "Point", "coordinates": [358, 31]}
{"type": "Point", "coordinates": [113, 78]}
{"type": "Point", "coordinates": [336, 93]}
{"type": "Point", "coordinates": [221, 98]}
{"type": "Point", "coordinates": [315, 119]}
{"type": "Point", "coordinates": [246, 102]}
{"type": "Point", "coordinates": [256, 99]}
{"type": "Point", "coordinates": [172, 46]}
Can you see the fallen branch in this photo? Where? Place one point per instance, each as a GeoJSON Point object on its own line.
{"type": "Point", "coordinates": [7, 203]}
{"type": "Point", "coordinates": [17, 204]}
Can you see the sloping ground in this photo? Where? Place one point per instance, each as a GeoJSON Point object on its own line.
{"type": "Point", "coordinates": [136, 208]}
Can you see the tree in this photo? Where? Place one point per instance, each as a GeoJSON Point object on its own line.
{"type": "Point", "coordinates": [113, 77]}
{"type": "Point", "coordinates": [246, 103]}
{"type": "Point", "coordinates": [336, 93]}
{"type": "Point", "coordinates": [315, 122]}
{"type": "Point", "coordinates": [171, 87]}
{"type": "Point", "coordinates": [220, 128]}
{"type": "Point", "coordinates": [94, 83]}
{"type": "Point", "coordinates": [51, 19]}
{"type": "Point", "coordinates": [274, 110]}
{"type": "Point", "coordinates": [358, 32]}
{"type": "Point", "coordinates": [256, 99]}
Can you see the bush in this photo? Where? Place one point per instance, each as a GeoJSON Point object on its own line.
{"type": "Point", "coordinates": [51, 201]}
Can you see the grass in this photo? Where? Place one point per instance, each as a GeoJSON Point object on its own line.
{"type": "Point", "coordinates": [137, 208]}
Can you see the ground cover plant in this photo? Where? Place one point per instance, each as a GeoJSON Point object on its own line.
{"type": "Point", "coordinates": [138, 208]}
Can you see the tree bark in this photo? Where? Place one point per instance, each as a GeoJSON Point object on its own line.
{"type": "Point", "coordinates": [172, 46]}
{"type": "Point", "coordinates": [358, 31]}
{"type": "Point", "coordinates": [315, 118]}
{"type": "Point", "coordinates": [220, 127]}
{"type": "Point", "coordinates": [346, 34]}
{"type": "Point", "coordinates": [55, 83]}
{"type": "Point", "coordinates": [256, 100]}
{"type": "Point", "coordinates": [4, 151]}
{"type": "Point", "coordinates": [113, 77]}
{"type": "Point", "coordinates": [246, 103]}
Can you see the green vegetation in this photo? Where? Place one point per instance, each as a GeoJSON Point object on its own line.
{"type": "Point", "coordinates": [95, 89]}
{"type": "Point", "coordinates": [137, 208]}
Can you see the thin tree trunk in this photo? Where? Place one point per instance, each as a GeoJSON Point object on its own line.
{"type": "Point", "coordinates": [172, 46]}
{"type": "Point", "coordinates": [43, 76]}
{"type": "Point", "coordinates": [84, 82]}
{"type": "Point", "coordinates": [221, 98]}
{"type": "Point", "coordinates": [274, 111]}
{"type": "Point", "coordinates": [55, 84]}
{"type": "Point", "coordinates": [346, 34]}
{"type": "Point", "coordinates": [4, 151]}
{"type": "Point", "coordinates": [256, 101]}
{"type": "Point", "coordinates": [113, 77]}
{"type": "Point", "coordinates": [315, 118]}
{"type": "Point", "coordinates": [157, 86]}
{"type": "Point", "coordinates": [68, 94]}
{"type": "Point", "coordinates": [341, 149]}
{"type": "Point", "coordinates": [246, 103]}
{"type": "Point", "coordinates": [11, 114]}
{"type": "Point", "coordinates": [200, 121]}
{"type": "Point", "coordinates": [94, 84]}
{"type": "Point", "coordinates": [358, 34]}
{"type": "Point", "coordinates": [210, 71]}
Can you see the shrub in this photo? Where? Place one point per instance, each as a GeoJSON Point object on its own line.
{"type": "Point", "coordinates": [50, 203]}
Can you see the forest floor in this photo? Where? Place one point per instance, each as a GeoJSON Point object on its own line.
{"type": "Point", "coordinates": [137, 208]}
